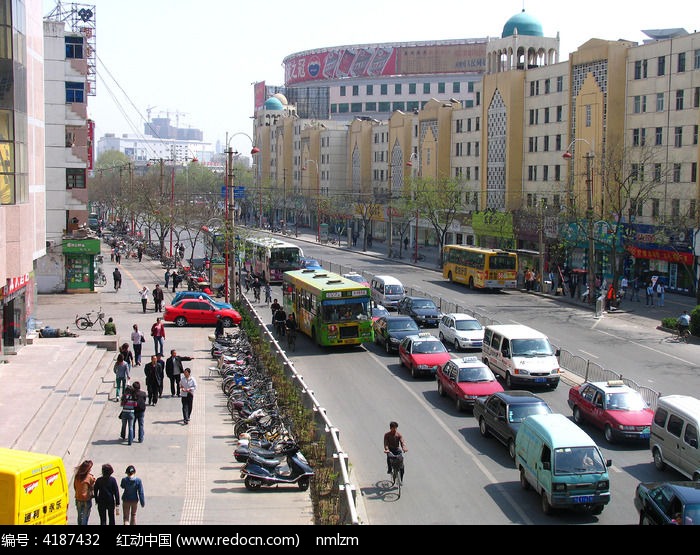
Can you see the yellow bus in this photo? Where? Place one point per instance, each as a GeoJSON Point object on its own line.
{"type": "Point", "coordinates": [479, 267]}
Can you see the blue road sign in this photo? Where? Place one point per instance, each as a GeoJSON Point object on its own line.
{"type": "Point", "coordinates": [239, 192]}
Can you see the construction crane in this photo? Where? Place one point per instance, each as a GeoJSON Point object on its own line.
{"type": "Point", "coordinates": [149, 109]}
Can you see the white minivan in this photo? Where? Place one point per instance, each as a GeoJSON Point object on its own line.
{"type": "Point", "coordinates": [520, 355]}
{"type": "Point", "coordinates": [674, 434]}
{"type": "Point", "coordinates": [387, 291]}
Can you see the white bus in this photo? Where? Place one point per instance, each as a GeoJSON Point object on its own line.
{"type": "Point", "coordinates": [268, 258]}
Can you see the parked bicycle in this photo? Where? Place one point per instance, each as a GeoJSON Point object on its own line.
{"type": "Point", "coordinates": [85, 322]}
{"type": "Point", "coordinates": [100, 278]}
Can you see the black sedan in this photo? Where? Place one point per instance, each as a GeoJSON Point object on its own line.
{"type": "Point", "coordinates": [668, 502]}
{"type": "Point", "coordinates": [390, 330]}
{"type": "Point", "coordinates": [500, 414]}
{"type": "Point", "coordinates": [424, 311]}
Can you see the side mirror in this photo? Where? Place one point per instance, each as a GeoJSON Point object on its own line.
{"type": "Point", "coordinates": [608, 463]}
{"type": "Point", "coordinates": [547, 465]}
{"type": "Point", "coordinates": [557, 353]}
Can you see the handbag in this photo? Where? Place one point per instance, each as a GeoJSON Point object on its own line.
{"type": "Point", "coordinates": [121, 415]}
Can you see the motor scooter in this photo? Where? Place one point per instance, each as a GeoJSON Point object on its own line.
{"type": "Point", "coordinates": [260, 447]}
{"type": "Point", "coordinates": [258, 471]}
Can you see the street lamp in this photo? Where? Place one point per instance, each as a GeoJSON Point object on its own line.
{"type": "Point", "coordinates": [230, 293]}
{"type": "Point", "coordinates": [414, 156]}
{"type": "Point", "coordinates": [589, 211]}
{"type": "Point", "coordinates": [318, 198]}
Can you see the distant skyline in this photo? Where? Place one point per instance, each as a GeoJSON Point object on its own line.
{"type": "Point", "coordinates": [197, 60]}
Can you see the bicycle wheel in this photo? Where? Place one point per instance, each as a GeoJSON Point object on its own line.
{"type": "Point", "coordinates": [102, 323]}
{"type": "Point", "coordinates": [83, 323]}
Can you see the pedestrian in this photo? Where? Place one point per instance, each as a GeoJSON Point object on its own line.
{"type": "Point", "coordinates": [110, 327]}
{"type": "Point", "coordinates": [176, 280]}
{"type": "Point", "coordinates": [140, 410]}
{"type": "Point", "coordinates": [650, 294]}
{"type": "Point", "coordinates": [247, 282]}
{"type": "Point", "coordinates": [188, 385]}
{"type": "Point", "coordinates": [137, 341]}
{"type": "Point", "coordinates": [132, 494]}
{"type": "Point", "coordinates": [660, 293]}
{"type": "Point", "coordinates": [144, 297]}
{"type": "Point", "coordinates": [161, 373]}
{"type": "Point", "coordinates": [117, 276]}
{"type": "Point", "coordinates": [117, 255]}
{"type": "Point", "coordinates": [128, 415]}
{"type": "Point", "coordinates": [174, 369]}
{"type": "Point", "coordinates": [158, 335]}
{"type": "Point", "coordinates": [153, 382]}
{"type": "Point", "coordinates": [127, 354]}
{"type": "Point", "coordinates": [107, 495]}
{"type": "Point", "coordinates": [111, 254]}
{"type": "Point", "coordinates": [139, 252]}
{"type": "Point", "coordinates": [121, 371]}
{"type": "Point", "coordinates": [369, 240]}
{"type": "Point", "coordinates": [268, 293]}
{"type": "Point", "coordinates": [624, 284]}
{"type": "Point", "coordinates": [84, 486]}
{"type": "Point", "coordinates": [167, 277]}
{"type": "Point", "coordinates": [355, 235]}
{"type": "Point", "coordinates": [158, 298]}
{"type": "Point", "coordinates": [219, 330]}
{"type": "Point", "coordinates": [405, 243]}
{"type": "Point", "coordinates": [256, 289]}
{"type": "Point", "coordinates": [635, 289]}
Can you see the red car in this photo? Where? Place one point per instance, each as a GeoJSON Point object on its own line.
{"type": "Point", "coordinates": [200, 312]}
{"type": "Point", "coordinates": [465, 379]}
{"type": "Point", "coordinates": [617, 409]}
{"type": "Point", "coordinates": [422, 353]}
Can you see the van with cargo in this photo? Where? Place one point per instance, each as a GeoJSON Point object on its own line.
{"type": "Point", "coordinates": [674, 434]}
{"type": "Point", "coordinates": [520, 355]}
{"type": "Point", "coordinates": [562, 464]}
{"type": "Point", "coordinates": [34, 488]}
{"type": "Point", "coordinates": [387, 291]}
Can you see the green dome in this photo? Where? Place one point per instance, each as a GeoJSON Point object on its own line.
{"type": "Point", "coordinates": [524, 25]}
{"type": "Point", "coordinates": [273, 103]}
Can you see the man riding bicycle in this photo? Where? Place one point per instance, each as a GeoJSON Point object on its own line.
{"type": "Point", "coordinates": [683, 323]}
{"type": "Point", "coordinates": [394, 444]}
{"type": "Point", "coordinates": [279, 320]}
{"type": "Point", "coordinates": [291, 327]}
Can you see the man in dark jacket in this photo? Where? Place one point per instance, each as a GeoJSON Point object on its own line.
{"type": "Point", "coordinates": [158, 298]}
{"type": "Point", "coordinates": [153, 380]}
{"type": "Point", "coordinates": [173, 369]}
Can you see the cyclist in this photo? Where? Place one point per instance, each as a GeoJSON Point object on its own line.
{"type": "Point", "coordinates": [393, 443]}
{"type": "Point", "coordinates": [291, 326]}
{"type": "Point", "coordinates": [274, 307]}
{"type": "Point", "coordinates": [683, 323]}
{"type": "Point", "coordinates": [268, 293]}
{"type": "Point", "coordinates": [279, 320]}
{"type": "Point", "coordinates": [117, 275]}
{"type": "Point", "coordinates": [256, 289]}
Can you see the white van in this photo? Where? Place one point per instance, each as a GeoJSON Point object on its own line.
{"type": "Point", "coordinates": [387, 291]}
{"type": "Point", "coordinates": [520, 355]}
{"type": "Point", "coordinates": [674, 434]}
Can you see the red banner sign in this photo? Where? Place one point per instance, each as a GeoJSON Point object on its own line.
{"type": "Point", "coordinates": [668, 256]}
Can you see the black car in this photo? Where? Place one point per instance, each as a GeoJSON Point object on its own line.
{"type": "Point", "coordinates": [500, 414]}
{"type": "Point", "coordinates": [668, 502]}
{"type": "Point", "coordinates": [390, 330]}
{"type": "Point", "coordinates": [424, 311]}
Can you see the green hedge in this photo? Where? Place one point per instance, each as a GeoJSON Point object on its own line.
{"type": "Point", "coordinates": [672, 323]}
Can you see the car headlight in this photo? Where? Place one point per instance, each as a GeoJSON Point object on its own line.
{"type": "Point", "coordinates": [394, 340]}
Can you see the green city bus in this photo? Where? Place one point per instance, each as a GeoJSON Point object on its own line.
{"type": "Point", "coordinates": [330, 309]}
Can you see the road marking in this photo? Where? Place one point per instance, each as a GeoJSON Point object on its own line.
{"type": "Point", "coordinates": [459, 441]}
{"type": "Point", "coordinates": [587, 353]}
{"type": "Point", "coordinates": [195, 482]}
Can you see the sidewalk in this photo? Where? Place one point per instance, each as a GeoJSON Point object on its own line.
{"type": "Point", "coordinates": [57, 400]}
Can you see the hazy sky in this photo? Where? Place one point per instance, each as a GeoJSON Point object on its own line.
{"type": "Point", "coordinates": [196, 60]}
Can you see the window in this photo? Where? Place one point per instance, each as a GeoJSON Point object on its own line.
{"type": "Point", "coordinates": [691, 208]}
{"type": "Point", "coordinates": [681, 62]}
{"type": "Point", "coordinates": [455, 87]}
{"type": "Point", "coordinates": [655, 208]}
{"type": "Point", "coordinates": [661, 66]}
{"type": "Point", "coordinates": [659, 102]}
{"type": "Point", "coordinates": [412, 105]}
{"type": "Point", "coordinates": [356, 90]}
{"type": "Point", "coordinates": [476, 148]}
{"type": "Point", "coordinates": [637, 104]}
{"type": "Point", "coordinates": [469, 149]}
{"type": "Point", "coordinates": [635, 137]}
{"type": "Point", "coordinates": [411, 88]}
{"type": "Point", "coordinates": [693, 172]}
{"type": "Point", "coordinates": [74, 47]}
{"type": "Point", "coordinates": [634, 172]}
{"type": "Point", "coordinates": [398, 106]}
{"type": "Point", "coordinates": [696, 63]}
{"type": "Point", "coordinates": [640, 69]}
{"type": "Point", "coordinates": [547, 86]}
{"type": "Point", "coordinates": [546, 143]}
{"type": "Point", "coordinates": [534, 117]}
{"type": "Point", "coordinates": [383, 89]}
{"type": "Point", "coordinates": [589, 115]}
{"type": "Point", "coordinates": [477, 120]}
{"type": "Point", "coordinates": [557, 172]}
{"type": "Point", "coordinates": [659, 136]}
{"type": "Point", "coordinates": [557, 141]}
{"type": "Point", "coordinates": [459, 125]}
{"type": "Point", "coordinates": [675, 208]}
{"type": "Point", "coordinates": [369, 90]}
{"type": "Point", "coordinates": [657, 172]}
{"type": "Point", "coordinates": [532, 173]}
{"type": "Point", "coordinates": [560, 83]}
{"type": "Point", "coordinates": [470, 86]}
{"type": "Point", "coordinates": [370, 107]}
{"type": "Point", "coordinates": [678, 137]}
{"type": "Point", "coordinates": [679, 99]}
{"type": "Point", "coordinates": [356, 107]}
{"type": "Point", "coordinates": [397, 88]}
{"type": "Point", "coordinates": [75, 178]}
{"type": "Point", "coordinates": [546, 115]}
{"type": "Point", "coordinates": [342, 90]}
{"type": "Point", "coordinates": [75, 92]}
{"type": "Point", "coordinates": [676, 172]}
{"type": "Point", "coordinates": [343, 108]}
{"type": "Point", "coordinates": [385, 106]}
{"type": "Point", "coordinates": [441, 88]}
{"type": "Point", "coordinates": [696, 97]}
{"type": "Point", "coordinates": [545, 173]}
{"type": "Point", "coordinates": [458, 149]}
{"type": "Point", "coordinates": [560, 114]}
{"type": "Point", "coordinates": [643, 137]}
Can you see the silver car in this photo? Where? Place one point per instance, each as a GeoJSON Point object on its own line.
{"type": "Point", "coordinates": [461, 331]}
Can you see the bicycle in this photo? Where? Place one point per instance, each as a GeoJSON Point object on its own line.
{"type": "Point", "coordinates": [397, 468]}
{"type": "Point", "coordinates": [291, 339]}
{"type": "Point", "coordinates": [100, 279]}
{"type": "Point", "coordinates": [85, 322]}
{"type": "Point", "coordinates": [682, 334]}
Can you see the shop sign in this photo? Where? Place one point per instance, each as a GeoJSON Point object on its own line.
{"type": "Point", "coordinates": [81, 246]}
{"type": "Point", "coordinates": [14, 284]}
{"type": "Point", "coordinates": [665, 255]}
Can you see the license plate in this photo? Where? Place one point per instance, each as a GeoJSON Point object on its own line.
{"type": "Point", "coordinates": [582, 499]}
{"type": "Point", "coordinates": [540, 380]}
{"type": "Point", "coordinates": [645, 435]}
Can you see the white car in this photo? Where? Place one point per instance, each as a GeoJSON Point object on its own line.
{"type": "Point", "coordinates": [461, 330]}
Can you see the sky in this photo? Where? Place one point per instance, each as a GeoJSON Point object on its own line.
{"type": "Point", "coordinates": [196, 60]}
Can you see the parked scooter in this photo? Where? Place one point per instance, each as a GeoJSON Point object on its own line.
{"type": "Point", "coordinates": [259, 471]}
{"type": "Point", "coordinates": [260, 447]}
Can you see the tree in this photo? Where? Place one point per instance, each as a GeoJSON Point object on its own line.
{"type": "Point", "coordinates": [368, 207]}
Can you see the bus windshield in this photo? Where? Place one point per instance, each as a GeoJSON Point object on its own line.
{"type": "Point", "coordinates": [352, 309]}
{"type": "Point", "coordinates": [282, 257]}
